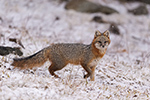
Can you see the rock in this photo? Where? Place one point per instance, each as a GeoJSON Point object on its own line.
{"type": "Point", "coordinates": [8, 50]}
{"type": "Point", "coordinates": [144, 1]}
{"type": "Point", "coordinates": [141, 10]}
{"type": "Point", "coordinates": [89, 7]}
{"type": "Point", "coordinates": [99, 19]}
{"type": "Point", "coordinates": [113, 26]}
{"type": "Point", "coordinates": [114, 29]}
{"type": "Point", "coordinates": [63, 1]}
{"type": "Point", "coordinates": [1, 20]}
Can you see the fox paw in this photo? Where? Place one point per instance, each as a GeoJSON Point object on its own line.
{"type": "Point", "coordinates": [56, 76]}
{"type": "Point", "coordinates": [86, 76]}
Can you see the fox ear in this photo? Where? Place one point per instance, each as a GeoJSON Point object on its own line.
{"type": "Point", "coordinates": [106, 33]}
{"type": "Point", "coordinates": [97, 33]}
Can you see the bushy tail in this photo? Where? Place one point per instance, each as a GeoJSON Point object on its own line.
{"type": "Point", "coordinates": [34, 60]}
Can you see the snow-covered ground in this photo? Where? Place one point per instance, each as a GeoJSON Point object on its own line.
{"type": "Point", "coordinates": [123, 73]}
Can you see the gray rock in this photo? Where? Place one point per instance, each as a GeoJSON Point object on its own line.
{"type": "Point", "coordinates": [89, 7]}
{"type": "Point", "coordinates": [114, 29]}
{"type": "Point", "coordinates": [141, 10]}
{"type": "Point", "coordinates": [144, 1]}
{"type": "Point", "coordinates": [99, 19]}
{"type": "Point", "coordinates": [8, 50]}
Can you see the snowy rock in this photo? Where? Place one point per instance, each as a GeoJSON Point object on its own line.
{"type": "Point", "coordinates": [89, 7]}
{"type": "Point", "coordinates": [141, 10]}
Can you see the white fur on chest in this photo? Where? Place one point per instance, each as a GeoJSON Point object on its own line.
{"type": "Point", "coordinates": [94, 62]}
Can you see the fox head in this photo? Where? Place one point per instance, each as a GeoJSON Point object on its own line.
{"type": "Point", "coordinates": [101, 40]}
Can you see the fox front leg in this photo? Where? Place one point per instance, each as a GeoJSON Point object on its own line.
{"type": "Point", "coordinates": [87, 69]}
{"type": "Point", "coordinates": [92, 76]}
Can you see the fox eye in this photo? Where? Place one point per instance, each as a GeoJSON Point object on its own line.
{"type": "Point", "coordinates": [105, 42]}
{"type": "Point", "coordinates": [100, 42]}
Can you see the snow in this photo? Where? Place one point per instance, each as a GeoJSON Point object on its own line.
{"type": "Point", "coordinates": [123, 73]}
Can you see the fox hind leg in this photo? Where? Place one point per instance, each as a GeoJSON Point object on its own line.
{"type": "Point", "coordinates": [55, 67]}
{"type": "Point", "coordinates": [51, 71]}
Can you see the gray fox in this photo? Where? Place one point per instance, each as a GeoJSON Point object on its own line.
{"type": "Point", "coordinates": [61, 54]}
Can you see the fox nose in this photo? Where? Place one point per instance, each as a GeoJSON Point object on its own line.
{"type": "Point", "coordinates": [103, 46]}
